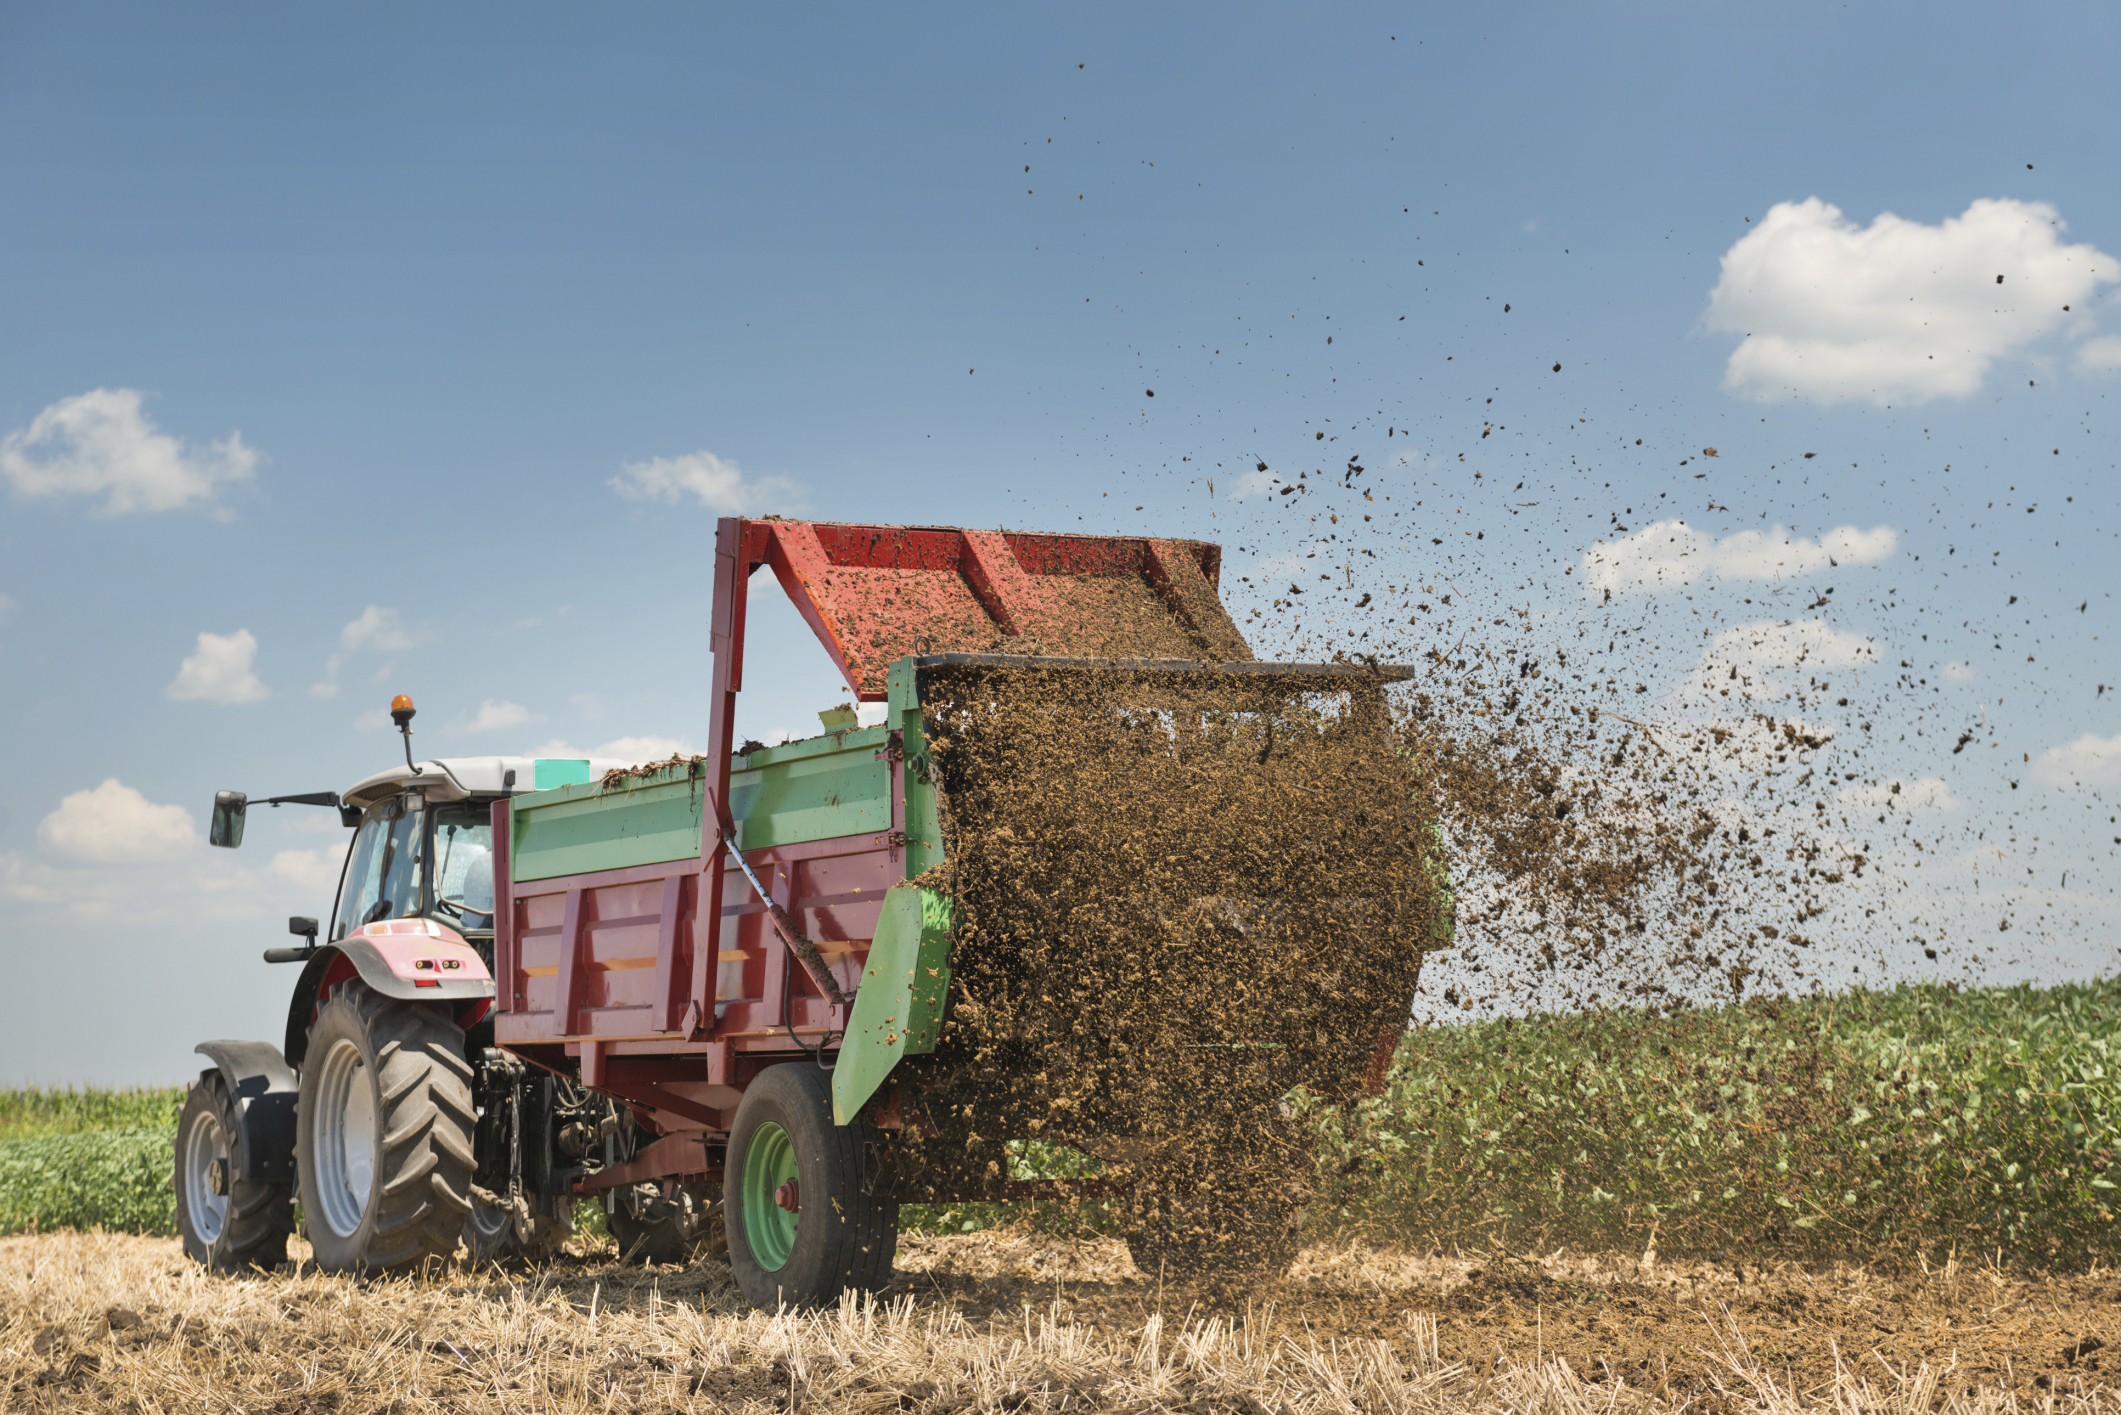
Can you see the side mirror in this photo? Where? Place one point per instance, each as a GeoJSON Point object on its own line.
{"type": "Point", "coordinates": [303, 928]}
{"type": "Point", "coordinates": [227, 828]}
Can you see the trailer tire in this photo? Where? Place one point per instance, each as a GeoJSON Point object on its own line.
{"type": "Point", "coordinates": [650, 1228]}
{"type": "Point", "coordinates": [383, 1134]}
{"type": "Point", "coordinates": [844, 1233]}
{"type": "Point", "coordinates": [246, 1223]}
{"type": "Point", "coordinates": [491, 1236]}
{"type": "Point", "coordinates": [1185, 1238]}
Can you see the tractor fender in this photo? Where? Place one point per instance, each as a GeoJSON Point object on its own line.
{"type": "Point", "coordinates": [263, 1087]}
{"type": "Point", "coordinates": [418, 967]}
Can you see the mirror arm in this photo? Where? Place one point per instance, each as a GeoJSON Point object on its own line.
{"type": "Point", "coordinates": [406, 730]}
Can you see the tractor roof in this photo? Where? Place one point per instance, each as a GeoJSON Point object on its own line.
{"type": "Point", "coordinates": [455, 778]}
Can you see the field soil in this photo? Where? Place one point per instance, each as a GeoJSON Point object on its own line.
{"type": "Point", "coordinates": [1023, 1322]}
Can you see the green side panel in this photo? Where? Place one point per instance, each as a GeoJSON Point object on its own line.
{"type": "Point", "coordinates": [924, 824]}
{"type": "Point", "coordinates": [898, 1010]}
{"type": "Point", "coordinates": [579, 828]}
{"type": "Point", "coordinates": [548, 772]}
{"type": "Point", "coordinates": [816, 790]}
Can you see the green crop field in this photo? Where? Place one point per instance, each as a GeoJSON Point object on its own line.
{"type": "Point", "coordinates": [1918, 1120]}
{"type": "Point", "coordinates": [1921, 1119]}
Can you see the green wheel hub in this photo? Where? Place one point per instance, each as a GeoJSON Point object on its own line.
{"type": "Point", "coordinates": [769, 1162]}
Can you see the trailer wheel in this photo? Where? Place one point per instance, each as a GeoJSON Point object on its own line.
{"type": "Point", "coordinates": [1184, 1237]}
{"type": "Point", "coordinates": [650, 1228]}
{"type": "Point", "coordinates": [383, 1135]}
{"type": "Point", "coordinates": [228, 1223]}
{"type": "Point", "coordinates": [842, 1231]}
{"type": "Point", "coordinates": [490, 1234]}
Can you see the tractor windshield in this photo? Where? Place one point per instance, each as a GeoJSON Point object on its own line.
{"type": "Point", "coordinates": [383, 878]}
{"type": "Point", "coordinates": [463, 855]}
{"type": "Point", "coordinates": [408, 862]}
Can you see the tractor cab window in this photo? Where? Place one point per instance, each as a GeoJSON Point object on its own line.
{"type": "Point", "coordinates": [463, 856]}
{"type": "Point", "coordinates": [383, 879]}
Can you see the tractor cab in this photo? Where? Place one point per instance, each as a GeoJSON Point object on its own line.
{"type": "Point", "coordinates": [423, 842]}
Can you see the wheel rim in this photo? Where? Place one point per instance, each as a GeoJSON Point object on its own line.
{"type": "Point", "coordinates": [345, 1138]}
{"type": "Point", "coordinates": [204, 1143]}
{"type": "Point", "coordinates": [769, 1162]}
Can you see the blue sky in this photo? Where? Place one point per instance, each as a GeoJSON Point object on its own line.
{"type": "Point", "coordinates": [416, 350]}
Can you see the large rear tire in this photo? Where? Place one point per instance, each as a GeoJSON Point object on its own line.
{"type": "Point", "coordinates": [383, 1137]}
{"type": "Point", "coordinates": [650, 1228]}
{"type": "Point", "coordinates": [227, 1222]}
{"type": "Point", "coordinates": [493, 1235]}
{"type": "Point", "coordinates": [841, 1232]}
{"type": "Point", "coordinates": [1213, 1215]}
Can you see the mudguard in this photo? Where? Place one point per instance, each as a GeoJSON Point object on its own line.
{"type": "Point", "coordinates": [263, 1086]}
{"type": "Point", "coordinates": [413, 959]}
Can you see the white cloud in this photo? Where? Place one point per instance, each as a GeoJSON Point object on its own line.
{"type": "Point", "coordinates": [7, 608]}
{"type": "Point", "coordinates": [377, 628]}
{"type": "Point", "coordinates": [632, 750]}
{"type": "Point", "coordinates": [1739, 660]}
{"type": "Point", "coordinates": [114, 824]}
{"type": "Point", "coordinates": [1834, 312]}
{"type": "Point", "coordinates": [495, 714]}
{"type": "Point", "coordinates": [2088, 761]}
{"type": "Point", "coordinates": [1928, 794]}
{"type": "Point", "coordinates": [315, 872]}
{"type": "Point", "coordinates": [2101, 355]}
{"type": "Point", "coordinates": [372, 719]}
{"type": "Point", "coordinates": [1671, 554]}
{"type": "Point", "coordinates": [218, 671]}
{"type": "Point", "coordinates": [101, 444]}
{"type": "Point", "coordinates": [1253, 484]}
{"type": "Point", "coordinates": [716, 483]}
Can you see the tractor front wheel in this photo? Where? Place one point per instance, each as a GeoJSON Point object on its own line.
{"type": "Point", "coordinates": [806, 1216]}
{"type": "Point", "coordinates": [228, 1223]}
{"type": "Point", "coordinates": [383, 1136]}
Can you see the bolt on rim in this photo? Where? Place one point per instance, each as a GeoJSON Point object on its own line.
{"type": "Point", "coordinates": [345, 1160]}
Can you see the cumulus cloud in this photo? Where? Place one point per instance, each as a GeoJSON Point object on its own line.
{"type": "Point", "coordinates": [2102, 355]}
{"type": "Point", "coordinates": [113, 824]}
{"type": "Point", "coordinates": [1748, 660]}
{"type": "Point", "coordinates": [1928, 794]}
{"type": "Point", "coordinates": [378, 629]}
{"type": "Point", "coordinates": [2088, 761]}
{"type": "Point", "coordinates": [218, 671]}
{"type": "Point", "coordinates": [631, 750]}
{"type": "Point", "coordinates": [495, 714]}
{"type": "Point", "coordinates": [1896, 311]}
{"type": "Point", "coordinates": [100, 444]}
{"type": "Point", "coordinates": [1671, 554]}
{"type": "Point", "coordinates": [715, 482]}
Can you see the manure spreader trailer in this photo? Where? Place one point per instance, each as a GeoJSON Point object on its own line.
{"type": "Point", "coordinates": [1097, 894]}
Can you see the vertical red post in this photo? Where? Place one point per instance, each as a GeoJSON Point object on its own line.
{"type": "Point", "coordinates": [732, 578]}
{"type": "Point", "coordinates": [504, 915]}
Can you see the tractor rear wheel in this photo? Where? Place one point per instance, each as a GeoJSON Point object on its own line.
{"type": "Point", "coordinates": [1180, 1232]}
{"type": "Point", "coordinates": [805, 1221]}
{"type": "Point", "coordinates": [652, 1228]}
{"type": "Point", "coordinates": [383, 1136]}
{"type": "Point", "coordinates": [228, 1223]}
{"type": "Point", "coordinates": [491, 1234]}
